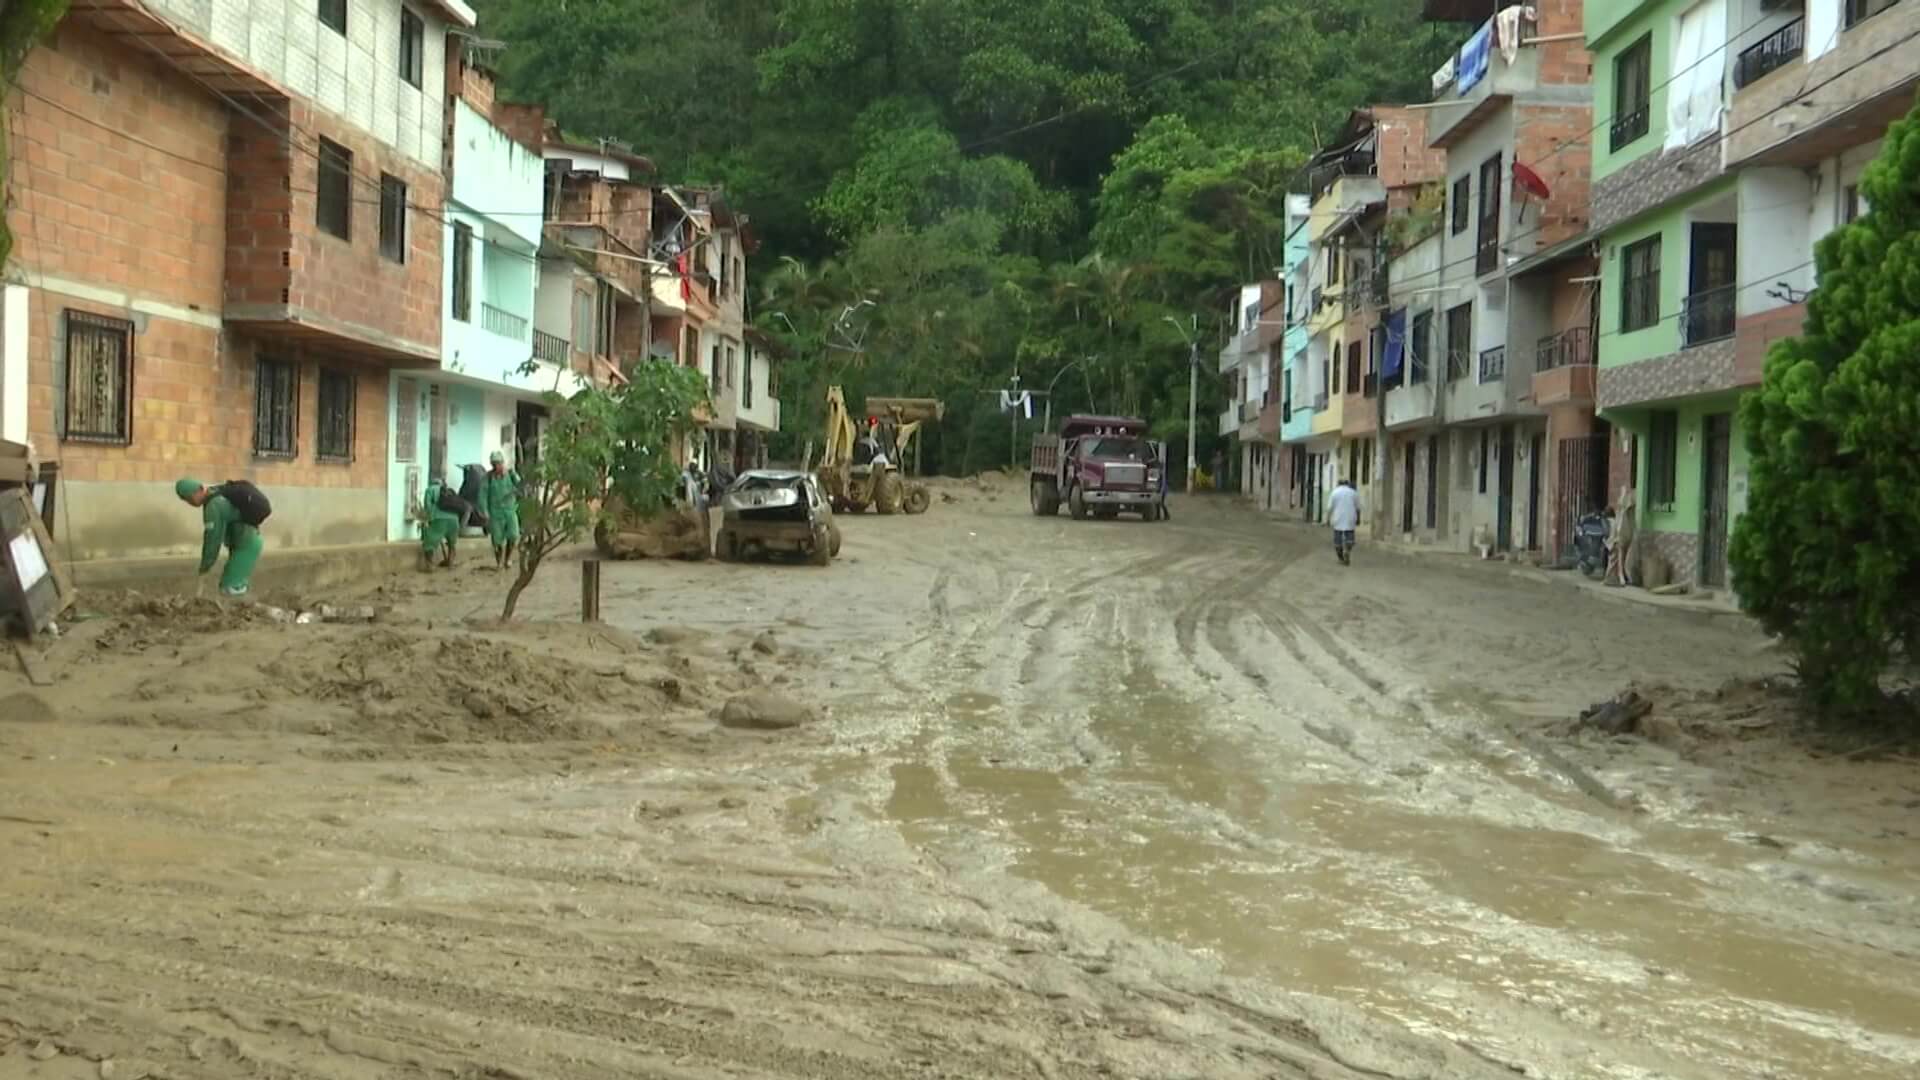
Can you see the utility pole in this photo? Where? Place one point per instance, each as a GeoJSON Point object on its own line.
{"type": "Point", "coordinates": [1193, 404]}
{"type": "Point", "coordinates": [1382, 458]}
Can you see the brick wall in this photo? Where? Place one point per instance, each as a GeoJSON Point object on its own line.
{"type": "Point", "coordinates": [1402, 154]}
{"type": "Point", "coordinates": [1565, 63]}
{"type": "Point", "coordinates": [1553, 141]}
{"type": "Point", "coordinates": [1755, 334]}
{"type": "Point", "coordinates": [278, 256]}
{"type": "Point", "coordinates": [526, 124]}
{"type": "Point", "coordinates": [119, 176]}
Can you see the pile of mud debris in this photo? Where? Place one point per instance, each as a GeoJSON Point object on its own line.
{"type": "Point", "coordinates": [1738, 709]}
{"type": "Point", "coordinates": [358, 673]}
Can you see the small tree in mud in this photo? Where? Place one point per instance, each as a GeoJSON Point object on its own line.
{"type": "Point", "coordinates": [1826, 554]}
{"type": "Point", "coordinates": [601, 445]}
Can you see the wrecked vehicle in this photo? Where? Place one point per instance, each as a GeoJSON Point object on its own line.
{"type": "Point", "coordinates": [1099, 466]}
{"type": "Point", "coordinates": [769, 511]}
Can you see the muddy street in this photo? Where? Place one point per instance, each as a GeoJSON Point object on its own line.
{"type": "Point", "coordinates": [1074, 799]}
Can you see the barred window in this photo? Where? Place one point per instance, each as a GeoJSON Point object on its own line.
{"type": "Point", "coordinates": [99, 399]}
{"type": "Point", "coordinates": [276, 407]}
{"type": "Point", "coordinates": [335, 441]}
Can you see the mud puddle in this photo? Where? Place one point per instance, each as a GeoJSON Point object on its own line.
{"type": "Point", "coordinates": [1466, 899]}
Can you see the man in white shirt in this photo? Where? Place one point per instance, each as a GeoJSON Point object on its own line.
{"type": "Point", "coordinates": [1343, 513]}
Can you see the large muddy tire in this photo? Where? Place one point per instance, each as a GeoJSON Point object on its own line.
{"type": "Point", "coordinates": [918, 499]}
{"type": "Point", "coordinates": [821, 553]}
{"type": "Point", "coordinates": [1077, 504]}
{"type": "Point", "coordinates": [1045, 498]}
{"type": "Point", "coordinates": [889, 493]}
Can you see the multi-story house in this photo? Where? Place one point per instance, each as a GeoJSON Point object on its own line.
{"type": "Point", "coordinates": [719, 268]}
{"type": "Point", "coordinates": [1511, 113]}
{"type": "Point", "coordinates": [227, 222]}
{"type": "Point", "coordinates": [686, 311]}
{"type": "Point", "coordinates": [1344, 181]}
{"type": "Point", "coordinates": [1246, 362]}
{"type": "Point", "coordinates": [495, 366]}
{"type": "Point", "coordinates": [1295, 395]}
{"type": "Point", "coordinates": [1666, 211]}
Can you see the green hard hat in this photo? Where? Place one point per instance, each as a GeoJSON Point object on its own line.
{"type": "Point", "coordinates": [496, 458]}
{"type": "Point", "coordinates": [186, 488]}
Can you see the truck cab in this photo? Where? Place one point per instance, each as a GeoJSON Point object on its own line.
{"type": "Point", "coordinates": [1100, 466]}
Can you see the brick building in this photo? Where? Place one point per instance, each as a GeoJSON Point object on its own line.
{"type": "Point", "coordinates": [225, 214]}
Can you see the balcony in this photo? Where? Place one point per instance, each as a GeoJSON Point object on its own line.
{"type": "Point", "coordinates": [1249, 411]}
{"type": "Point", "coordinates": [1229, 421]}
{"type": "Point", "coordinates": [1572, 347]}
{"type": "Point", "coordinates": [502, 322]}
{"type": "Point", "coordinates": [1839, 98]}
{"type": "Point", "coordinates": [1493, 364]}
{"type": "Point", "coordinates": [1707, 316]}
{"type": "Point", "coordinates": [1320, 401]}
{"type": "Point", "coordinates": [549, 348]}
{"type": "Point", "coordinates": [1627, 127]}
{"type": "Point", "coordinates": [1859, 11]}
{"type": "Point", "coordinates": [1771, 53]}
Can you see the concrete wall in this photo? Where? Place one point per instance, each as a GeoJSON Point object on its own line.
{"type": "Point", "coordinates": [492, 173]}
{"type": "Point", "coordinates": [355, 77]}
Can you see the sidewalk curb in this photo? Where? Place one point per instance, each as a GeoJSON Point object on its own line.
{"type": "Point", "coordinates": [1569, 579]}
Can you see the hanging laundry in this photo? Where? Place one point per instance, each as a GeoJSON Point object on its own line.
{"type": "Point", "coordinates": [1444, 77]}
{"type": "Point", "coordinates": [1473, 58]}
{"type": "Point", "coordinates": [1507, 26]}
{"type": "Point", "coordinates": [1017, 399]}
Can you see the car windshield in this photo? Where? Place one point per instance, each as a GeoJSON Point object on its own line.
{"type": "Point", "coordinates": [1119, 448]}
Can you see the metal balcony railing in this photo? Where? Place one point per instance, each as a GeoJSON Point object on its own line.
{"type": "Point", "coordinates": [1628, 127]}
{"type": "Point", "coordinates": [1493, 364]}
{"type": "Point", "coordinates": [1770, 53]}
{"type": "Point", "coordinates": [549, 348]}
{"type": "Point", "coordinates": [503, 322]}
{"type": "Point", "coordinates": [1572, 347]}
{"type": "Point", "coordinates": [1707, 316]}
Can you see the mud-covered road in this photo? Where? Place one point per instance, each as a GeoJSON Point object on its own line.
{"type": "Point", "coordinates": [1079, 800]}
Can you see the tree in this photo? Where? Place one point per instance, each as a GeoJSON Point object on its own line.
{"type": "Point", "coordinates": [1825, 555]}
{"type": "Point", "coordinates": [603, 445]}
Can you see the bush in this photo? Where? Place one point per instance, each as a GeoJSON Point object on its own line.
{"type": "Point", "coordinates": [1828, 553]}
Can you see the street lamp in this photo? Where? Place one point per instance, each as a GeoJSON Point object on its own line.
{"type": "Point", "coordinates": [1046, 424]}
{"type": "Point", "coordinates": [1193, 390]}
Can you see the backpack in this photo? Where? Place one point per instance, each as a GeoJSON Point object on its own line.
{"type": "Point", "coordinates": [250, 502]}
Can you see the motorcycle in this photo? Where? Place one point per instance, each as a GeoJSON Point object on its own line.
{"type": "Point", "coordinates": [1590, 536]}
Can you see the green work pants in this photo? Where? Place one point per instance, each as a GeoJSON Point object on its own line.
{"type": "Point", "coordinates": [504, 529]}
{"type": "Point", "coordinates": [244, 545]}
{"type": "Point", "coordinates": [441, 528]}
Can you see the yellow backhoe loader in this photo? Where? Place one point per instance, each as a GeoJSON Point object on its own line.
{"type": "Point", "coordinates": [860, 463]}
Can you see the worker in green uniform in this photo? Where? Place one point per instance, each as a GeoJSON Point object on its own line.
{"type": "Point", "coordinates": [438, 528]}
{"type": "Point", "coordinates": [224, 527]}
{"type": "Point", "coordinates": [500, 501]}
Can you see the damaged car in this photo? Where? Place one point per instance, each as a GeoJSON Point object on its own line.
{"type": "Point", "coordinates": [776, 511]}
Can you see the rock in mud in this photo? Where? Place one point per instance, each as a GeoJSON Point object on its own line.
{"type": "Point", "coordinates": [764, 711]}
{"type": "Point", "coordinates": [765, 645]}
{"type": "Point", "coordinates": [25, 708]}
{"type": "Point", "coordinates": [43, 1051]}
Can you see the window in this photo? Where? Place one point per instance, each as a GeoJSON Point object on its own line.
{"type": "Point", "coordinates": [1632, 90]}
{"type": "Point", "coordinates": [603, 319]}
{"type": "Point", "coordinates": [1462, 192]}
{"type": "Point", "coordinates": [1418, 342]}
{"type": "Point", "coordinates": [1365, 449]}
{"type": "Point", "coordinates": [739, 274]}
{"type": "Point", "coordinates": [726, 264]}
{"type": "Point", "coordinates": [334, 210]}
{"type": "Point", "coordinates": [393, 218]}
{"type": "Point", "coordinates": [1860, 10]}
{"type": "Point", "coordinates": [99, 399]}
{"type": "Point", "coordinates": [463, 275]}
{"type": "Point", "coordinates": [1663, 454]}
{"type": "Point", "coordinates": [413, 47]}
{"type": "Point", "coordinates": [746, 380]}
{"type": "Point", "coordinates": [1640, 284]}
{"type": "Point", "coordinates": [406, 421]}
{"type": "Point", "coordinates": [333, 14]}
{"type": "Point", "coordinates": [1333, 264]}
{"type": "Point", "coordinates": [1850, 204]}
{"type": "Point", "coordinates": [1482, 459]}
{"type": "Point", "coordinates": [730, 362]}
{"type": "Point", "coordinates": [1487, 232]}
{"type": "Point", "coordinates": [689, 349]}
{"type": "Point", "coordinates": [713, 368]}
{"type": "Point", "coordinates": [335, 440]}
{"type": "Point", "coordinates": [276, 407]}
{"type": "Point", "coordinates": [1459, 340]}
{"type": "Point", "coordinates": [1353, 367]}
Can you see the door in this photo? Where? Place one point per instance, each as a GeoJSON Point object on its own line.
{"type": "Point", "coordinates": [1536, 465]}
{"type": "Point", "coordinates": [436, 434]}
{"type": "Point", "coordinates": [1433, 481]}
{"type": "Point", "coordinates": [1711, 271]}
{"type": "Point", "coordinates": [526, 433]}
{"type": "Point", "coordinates": [1715, 463]}
{"type": "Point", "coordinates": [1503, 504]}
{"type": "Point", "coordinates": [1406, 493]}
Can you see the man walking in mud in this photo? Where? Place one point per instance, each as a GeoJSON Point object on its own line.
{"type": "Point", "coordinates": [500, 501]}
{"type": "Point", "coordinates": [441, 513]}
{"type": "Point", "coordinates": [1343, 513]}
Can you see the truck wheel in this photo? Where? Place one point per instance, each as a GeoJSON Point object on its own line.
{"type": "Point", "coordinates": [821, 552]}
{"type": "Point", "coordinates": [833, 531]}
{"type": "Point", "coordinates": [889, 492]}
{"type": "Point", "coordinates": [1077, 504]}
{"type": "Point", "coordinates": [1043, 500]}
{"type": "Point", "coordinates": [918, 499]}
